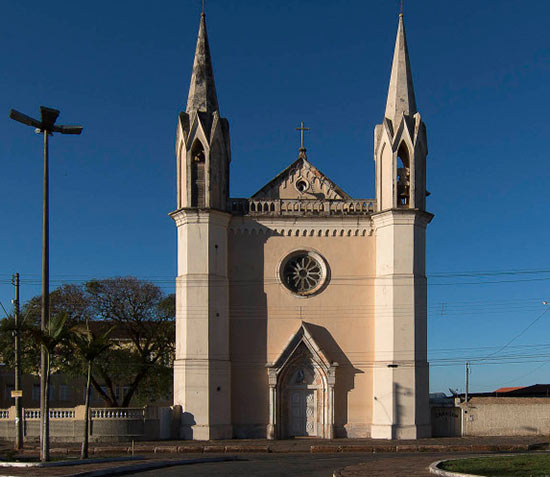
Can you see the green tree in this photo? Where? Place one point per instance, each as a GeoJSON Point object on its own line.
{"type": "Point", "coordinates": [143, 336]}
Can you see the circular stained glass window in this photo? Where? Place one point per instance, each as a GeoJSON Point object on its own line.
{"type": "Point", "coordinates": [304, 272]}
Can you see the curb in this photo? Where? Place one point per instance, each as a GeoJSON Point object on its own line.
{"type": "Point", "coordinates": [185, 449]}
{"type": "Point", "coordinates": [411, 448]}
{"type": "Point", "coordinates": [67, 463]}
{"type": "Point", "coordinates": [434, 469]}
{"type": "Point", "coordinates": [313, 449]}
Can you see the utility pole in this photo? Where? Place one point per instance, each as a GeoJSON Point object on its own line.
{"type": "Point", "coordinates": [17, 386]}
{"type": "Point", "coordinates": [46, 126]}
{"type": "Point", "coordinates": [467, 381]}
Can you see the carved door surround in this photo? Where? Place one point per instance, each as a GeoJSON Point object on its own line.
{"type": "Point", "coordinates": [301, 390]}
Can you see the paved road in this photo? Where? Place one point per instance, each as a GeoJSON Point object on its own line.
{"type": "Point", "coordinates": [318, 465]}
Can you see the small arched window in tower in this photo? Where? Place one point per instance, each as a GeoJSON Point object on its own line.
{"type": "Point", "coordinates": [197, 175]}
{"type": "Point", "coordinates": [403, 179]}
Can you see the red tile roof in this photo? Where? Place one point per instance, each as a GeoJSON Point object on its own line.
{"type": "Point", "coordinates": [507, 390]}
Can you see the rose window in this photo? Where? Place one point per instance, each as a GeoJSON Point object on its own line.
{"type": "Point", "coordinates": [304, 273]}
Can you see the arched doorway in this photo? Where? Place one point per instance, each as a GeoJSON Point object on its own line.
{"type": "Point", "coordinates": [301, 385]}
{"type": "Point", "coordinates": [303, 395]}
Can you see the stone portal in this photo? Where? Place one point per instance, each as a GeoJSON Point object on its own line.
{"type": "Point", "coordinates": [301, 385]}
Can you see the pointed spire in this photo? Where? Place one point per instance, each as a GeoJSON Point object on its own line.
{"type": "Point", "coordinates": [401, 92]}
{"type": "Point", "coordinates": [202, 91]}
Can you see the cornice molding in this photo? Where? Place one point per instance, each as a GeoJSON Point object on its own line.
{"type": "Point", "coordinates": [416, 217]}
{"type": "Point", "coordinates": [186, 216]}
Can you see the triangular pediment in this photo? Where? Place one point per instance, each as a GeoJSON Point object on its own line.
{"type": "Point", "coordinates": [301, 180]}
{"type": "Point", "coordinates": [304, 338]}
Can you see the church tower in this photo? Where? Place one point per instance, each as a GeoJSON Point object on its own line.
{"type": "Point", "coordinates": [202, 379]}
{"type": "Point", "coordinates": [400, 375]}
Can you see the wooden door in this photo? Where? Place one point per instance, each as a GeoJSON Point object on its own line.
{"type": "Point", "coordinates": [302, 413]}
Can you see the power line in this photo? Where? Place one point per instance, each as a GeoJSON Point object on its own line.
{"type": "Point", "coordinates": [468, 274]}
{"type": "Point", "coordinates": [434, 274]}
{"type": "Point", "coordinates": [520, 333]}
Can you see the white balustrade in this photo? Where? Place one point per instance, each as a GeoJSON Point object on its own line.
{"type": "Point", "coordinates": [61, 413]}
{"type": "Point", "coordinates": [31, 414]}
{"type": "Point", "coordinates": [117, 413]}
{"type": "Point", "coordinates": [95, 413]}
{"type": "Point", "coordinates": [54, 413]}
{"type": "Point", "coordinates": [302, 207]}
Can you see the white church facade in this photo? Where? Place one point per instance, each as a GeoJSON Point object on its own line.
{"type": "Point", "coordinates": [301, 311]}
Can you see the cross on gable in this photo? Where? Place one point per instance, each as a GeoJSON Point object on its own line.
{"type": "Point", "coordinates": [302, 129]}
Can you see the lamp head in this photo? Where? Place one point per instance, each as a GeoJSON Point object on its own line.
{"type": "Point", "coordinates": [48, 117]}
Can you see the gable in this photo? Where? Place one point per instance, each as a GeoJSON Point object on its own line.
{"type": "Point", "coordinates": [301, 180]}
{"type": "Point", "coordinates": [303, 340]}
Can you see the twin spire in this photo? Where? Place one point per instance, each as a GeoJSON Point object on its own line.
{"type": "Point", "coordinates": [401, 100]}
{"type": "Point", "coordinates": [202, 91]}
{"type": "Point", "coordinates": [401, 92]}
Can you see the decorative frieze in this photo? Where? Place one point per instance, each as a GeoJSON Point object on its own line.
{"type": "Point", "coordinates": [292, 232]}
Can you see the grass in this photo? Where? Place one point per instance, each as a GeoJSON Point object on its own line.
{"type": "Point", "coordinates": [537, 465]}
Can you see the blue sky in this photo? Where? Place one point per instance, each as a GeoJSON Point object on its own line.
{"type": "Point", "coordinates": [121, 69]}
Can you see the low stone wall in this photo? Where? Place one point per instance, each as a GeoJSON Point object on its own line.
{"type": "Point", "coordinates": [107, 424]}
{"type": "Point", "coordinates": [500, 416]}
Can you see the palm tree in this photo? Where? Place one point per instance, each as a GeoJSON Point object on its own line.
{"type": "Point", "coordinates": [11, 327]}
{"type": "Point", "coordinates": [54, 334]}
{"type": "Point", "coordinates": [88, 347]}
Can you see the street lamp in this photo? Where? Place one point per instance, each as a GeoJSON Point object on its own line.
{"type": "Point", "coordinates": [47, 126]}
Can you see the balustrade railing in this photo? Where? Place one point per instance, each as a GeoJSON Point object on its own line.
{"type": "Point", "coordinates": [29, 414]}
{"type": "Point", "coordinates": [117, 413]}
{"type": "Point", "coordinates": [136, 423]}
{"type": "Point", "coordinates": [61, 413]}
{"type": "Point", "coordinates": [302, 207]}
{"type": "Point", "coordinates": [95, 413]}
{"type": "Point", "coordinates": [54, 413]}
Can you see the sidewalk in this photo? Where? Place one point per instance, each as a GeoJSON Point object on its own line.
{"type": "Point", "coordinates": [444, 444]}
{"type": "Point", "coordinates": [167, 453]}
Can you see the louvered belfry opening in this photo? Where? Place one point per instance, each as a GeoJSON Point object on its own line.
{"type": "Point", "coordinates": [403, 177]}
{"type": "Point", "coordinates": [197, 176]}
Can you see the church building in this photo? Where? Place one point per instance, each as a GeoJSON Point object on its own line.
{"type": "Point", "coordinates": [301, 311]}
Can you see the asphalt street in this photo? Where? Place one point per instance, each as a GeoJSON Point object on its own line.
{"type": "Point", "coordinates": [318, 465]}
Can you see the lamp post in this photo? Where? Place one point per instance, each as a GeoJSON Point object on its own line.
{"type": "Point", "coordinates": [47, 127]}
